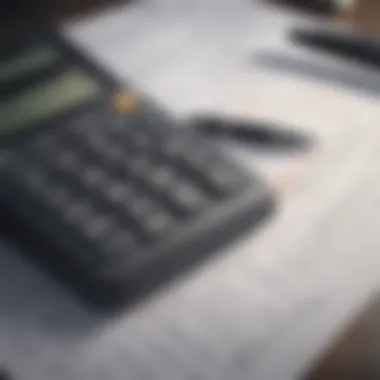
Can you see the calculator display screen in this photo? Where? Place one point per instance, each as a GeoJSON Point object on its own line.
{"type": "Point", "coordinates": [47, 99]}
{"type": "Point", "coordinates": [27, 62]}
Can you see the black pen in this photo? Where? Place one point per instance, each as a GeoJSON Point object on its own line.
{"type": "Point", "coordinates": [257, 132]}
{"type": "Point", "coordinates": [346, 45]}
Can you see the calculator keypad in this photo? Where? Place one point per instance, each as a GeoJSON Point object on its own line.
{"type": "Point", "coordinates": [113, 188]}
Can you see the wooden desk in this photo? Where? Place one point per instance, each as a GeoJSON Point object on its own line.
{"type": "Point", "coordinates": [356, 355]}
{"type": "Point", "coordinates": [364, 15]}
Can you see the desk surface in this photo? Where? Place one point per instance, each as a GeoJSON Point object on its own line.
{"type": "Point", "coordinates": [271, 304]}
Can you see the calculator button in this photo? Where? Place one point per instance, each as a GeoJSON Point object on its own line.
{"type": "Point", "coordinates": [161, 178]}
{"type": "Point", "coordinates": [115, 152]}
{"type": "Point", "coordinates": [130, 144]}
{"type": "Point", "coordinates": [87, 123]}
{"type": "Point", "coordinates": [157, 224]}
{"type": "Point", "coordinates": [96, 142]}
{"type": "Point", "coordinates": [142, 207]}
{"type": "Point", "coordinates": [125, 103]}
{"type": "Point", "coordinates": [138, 166]}
{"type": "Point", "coordinates": [142, 141]}
{"type": "Point", "coordinates": [78, 212]}
{"type": "Point", "coordinates": [196, 158]}
{"type": "Point", "coordinates": [119, 192]}
{"type": "Point", "coordinates": [93, 176]}
{"type": "Point", "coordinates": [225, 179]}
{"type": "Point", "coordinates": [96, 227]}
{"type": "Point", "coordinates": [174, 145]}
{"type": "Point", "coordinates": [119, 244]}
{"type": "Point", "coordinates": [120, 126]}
{"type": "Point", "coordinates": [187, 198]}
{"type": "Point", "coordinates": [64, 158]}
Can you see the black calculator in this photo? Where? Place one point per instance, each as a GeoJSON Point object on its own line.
{"type": "Point", "coordinates": [103, 187]}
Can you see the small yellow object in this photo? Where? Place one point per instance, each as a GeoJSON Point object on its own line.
{"type": "Point", "coordinates": [126, 102]}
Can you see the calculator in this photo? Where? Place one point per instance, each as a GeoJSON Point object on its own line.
{"type": "Point", "coordinates": [104, 188]}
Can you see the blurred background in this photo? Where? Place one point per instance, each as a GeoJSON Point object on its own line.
{"type": "Point", "coordinates": [324, 245]}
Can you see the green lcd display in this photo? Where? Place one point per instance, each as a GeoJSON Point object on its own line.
{"type": "Point", "coordinates": [29, 100]}
{"type": "Point", "coordinates": [47, 99]}
{"type": "Point", "coordinates": [27, 62]}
